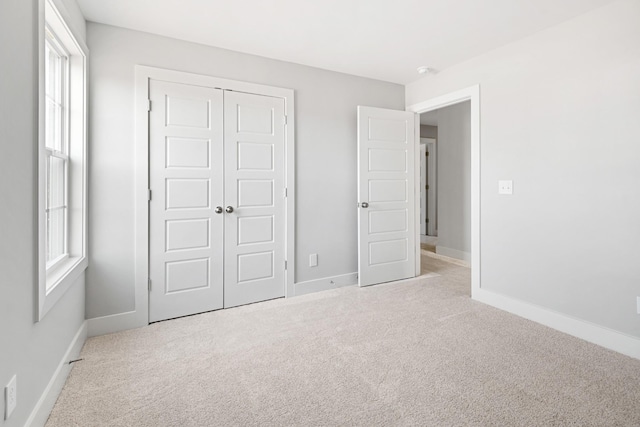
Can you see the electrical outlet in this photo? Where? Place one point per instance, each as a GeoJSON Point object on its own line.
{"type": "Point", "coordinates": [505, 187]}
{"type": "Point", "coordinates": [313, 260]}
{"type": "Point", "coordinates": [10, 397]}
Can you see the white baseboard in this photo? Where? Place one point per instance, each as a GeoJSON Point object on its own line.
{"type": "Point", "coordinates": [325, 283]}
{"type": "Point", "coordinates": [445, 258]}
{"type": "Point", "coordinates": [47, 400]}
{"type": "Point", "coordinates": [454, 253]}
{"type": "Point", "coordinates": [114, 323]}
{"type": "Point", "coordinates": [596, 334]}
{"type": "Point", "coordinates": [428, 240]}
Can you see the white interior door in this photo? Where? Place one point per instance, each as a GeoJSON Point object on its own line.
{"type": "Point", "coordinates": [386, 195]}
{"type": "Point", "coordinates": [186, 179]}
{"type": "Point", "coordinates": [254, 191]}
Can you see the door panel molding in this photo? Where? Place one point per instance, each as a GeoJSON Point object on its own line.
{"type": "Point", "coordinates": [139, 316]}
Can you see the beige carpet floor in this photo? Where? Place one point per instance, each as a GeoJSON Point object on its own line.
{"type": "Point", "coordinates": [417, 352]}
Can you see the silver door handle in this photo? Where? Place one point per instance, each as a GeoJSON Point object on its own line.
{"type": "Point", "coordinates": [218, 209]}
{"type": "Point", "coordinates": [229, 209]}
{"type": "Point", "coordinates": [364, 205]}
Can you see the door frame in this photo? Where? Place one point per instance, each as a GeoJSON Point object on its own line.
{"type": "Point", "coordinates": [431, 147]}
{"type": "Point", "coordinates": [423, 191]}
{"type": "Point", "coordinates": [143, 74]}
{"type": "Point", "coordinates": [471, 94]}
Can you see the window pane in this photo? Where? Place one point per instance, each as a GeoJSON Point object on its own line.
{"type": "Point", "coordinates": [53, 73]}
{"type": "Point", "coordinates": [56, 230]}
{"type": "Point", "coordinates": [55, 182]}
{"type": "Point", "coordinates": [54, 85]}
{"type": "Point", "coordinates": [53, 124]}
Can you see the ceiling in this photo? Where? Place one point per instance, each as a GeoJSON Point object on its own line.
{"type": "Point", "coordinates": [380, 39]}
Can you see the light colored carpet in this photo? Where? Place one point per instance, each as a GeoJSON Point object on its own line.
{"type": "Point", "coordinates": [417, 352]}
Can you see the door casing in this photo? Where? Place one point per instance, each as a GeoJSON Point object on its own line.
{"type": "Point", "coordinates": [432, 181]}
{"type": "Point", "coordinates": [139, 316]}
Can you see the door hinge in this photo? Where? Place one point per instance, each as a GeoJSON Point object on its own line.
{"type": "Point", "coordinates": [427, 219]}
{"type": "Point", "coordinates": [285, 192]}
{"type": "Point", "coordinates": [285, 264]}
{"type": "Point", "coordinates": [426, 153]}
{"type": "Point", "coordinates": [149, 194]}
{"type": "Point", "coordinates": [285, 119]}
{"type": "Point", "coordinates": [426, 187]}
{"type": "Point", "coordinates": [149, 283]}
{"type": "Point", "coordinates": [148, 105]}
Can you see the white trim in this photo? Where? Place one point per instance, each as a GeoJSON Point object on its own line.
{"type": "Point", "coordinates": [114, 323]}
{"type": "Point", "coordinates": [140, 315]}
{"type": "Point", "coordinates": [416, 193]}
{"type": "Point", "coordinates": [76, 60]}
{"type": "Point", "coordinates": [596, 334]}
{"type": "Point", "coordinates": [63, 278]}
{"type": "Point", "coordinates": [41, 411]}
{"type": "Point", "coordinates": [453, 253]}
{"type": "Point", "coordinates": [432, 147]}
{"type": "Point", "coordinates": [446, 258]}
{"type": "Point", "coordinates": [326, 283]}
{"type": "Point", "coordinates": [471, 94]}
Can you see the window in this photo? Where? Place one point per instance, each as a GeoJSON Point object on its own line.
{"type": "Point", "coordinates": [62, 171]}
{"type": "Point", "coordinates": [57, 148]}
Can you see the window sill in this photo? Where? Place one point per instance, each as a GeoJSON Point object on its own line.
{"type": "Point", "coordinates": [60, 279]}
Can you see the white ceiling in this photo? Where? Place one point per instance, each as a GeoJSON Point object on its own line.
{"type": "Point", "coordinates": [381, 39]}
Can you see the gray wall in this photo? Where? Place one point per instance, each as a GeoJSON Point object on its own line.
{"type": "Point", "coordinates": [31, 350]}
{"type": "Point", "coordinates": [454, 181]}
{"type": "Point", "coordinates": [559, 116]}
{"type": "Point", "coordinates": [427, 131]}
{"type": "Point", "coordinates": [325, 152]}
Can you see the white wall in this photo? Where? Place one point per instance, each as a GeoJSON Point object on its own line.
{"type": "Point", "coordinates": [325, 152]}
{"type": "Point", "coordinates": [559, 115]}
{"type": "Point", "coordinates": [31, 350]}
{"type": "Point", "coordinates": [454, 181]}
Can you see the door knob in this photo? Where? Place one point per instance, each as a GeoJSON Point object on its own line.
{"type": "Point", "coordinates": [229, 209]}
{"type": "Point", "coordinates": [218, 209]}
{"type": "Point", "coordinates": [364, 205]}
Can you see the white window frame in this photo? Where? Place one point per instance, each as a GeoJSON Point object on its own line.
{"type": "Point", "coordinates": [61, 154]}
{"type": "Point", "coordinates": [57, 276]}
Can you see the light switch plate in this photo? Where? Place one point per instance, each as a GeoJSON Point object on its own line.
{"type": "Point", "coordinates": [313, 260]}
{"type": "Point", "coordinates": [505, 187]}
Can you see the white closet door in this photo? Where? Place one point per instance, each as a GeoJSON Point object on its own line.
{"type": "Point", "coordinates": [254, 189]}
{"type": "Point", "coordinates": [386, 217]}
{"type": "Point", "coordinates": [186, 167]}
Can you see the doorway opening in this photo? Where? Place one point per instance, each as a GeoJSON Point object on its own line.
{"type": "Point", "coordinates": [428, 123]}
{"type": "Point", "coordinates": [449, 192]}
{"type": "Point", "coordinates": [445, 182]}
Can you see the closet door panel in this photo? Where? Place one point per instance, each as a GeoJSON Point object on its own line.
{"type": "Point", "coordinates": [254, 189]}
{"type": "Point", "coordinates": [186, 167]}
